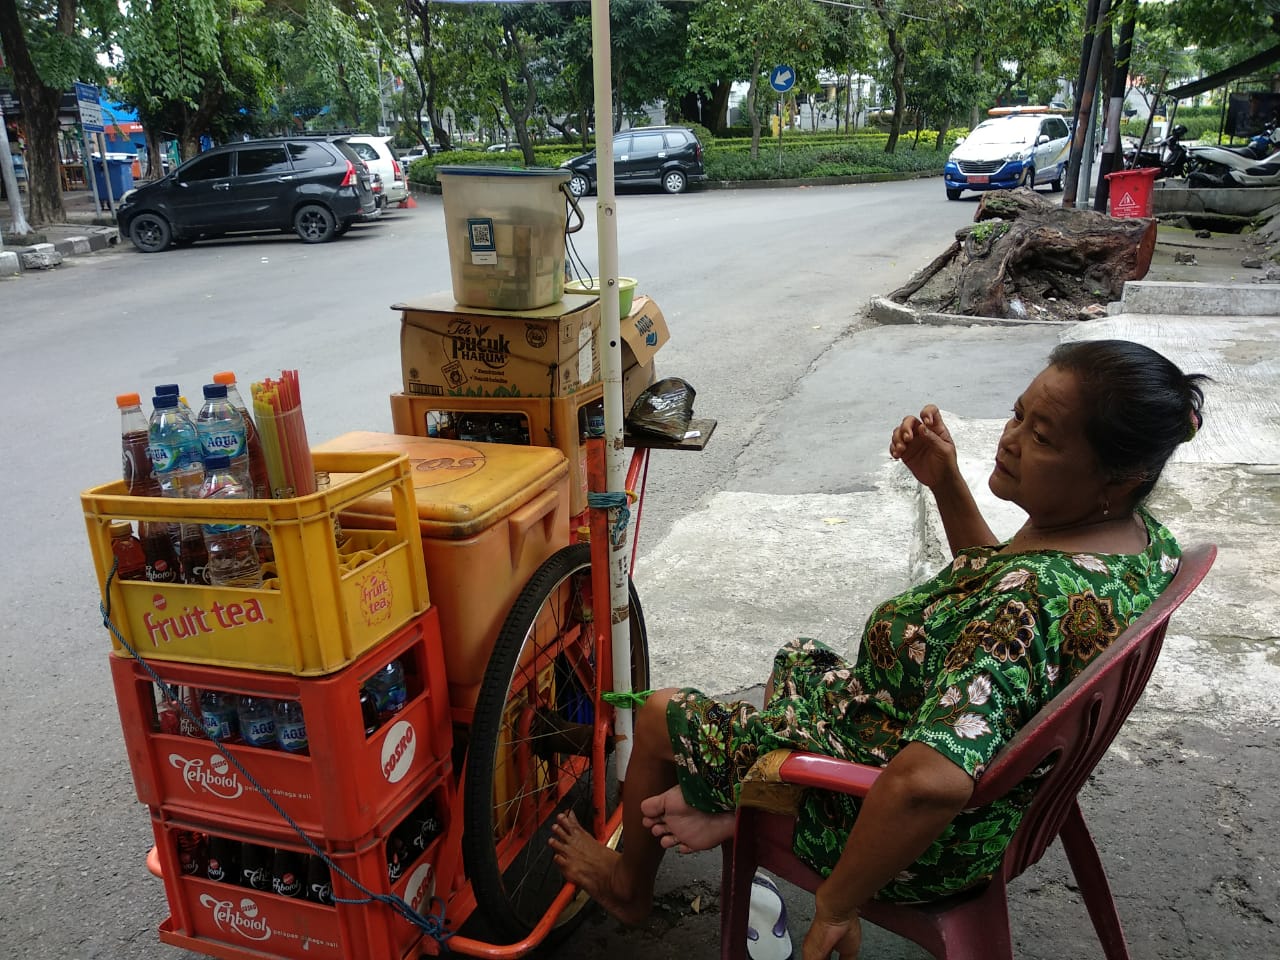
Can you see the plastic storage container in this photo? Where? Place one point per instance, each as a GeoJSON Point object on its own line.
{"type": "Point", "coordinates": [489, 515]}
{"type": "Point", "coordinates": [1131, 191]}
{"type": "Point", "coordinates": [506, 233]}
{"type": "Point", "coordinates": [547, 422]}
{"type": "Point", "coordinates": [230, 921]}
{"type": "Point", "coordinates": [321, 610]}
{"type": "Point", "coordinates": [341, 788]}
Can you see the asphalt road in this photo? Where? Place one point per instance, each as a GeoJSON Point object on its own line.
{"type": "Point", "coordinates": [756, 286]}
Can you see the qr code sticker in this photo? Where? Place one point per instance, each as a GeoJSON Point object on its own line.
{"type": "Point", "coordinates": [481, 231]}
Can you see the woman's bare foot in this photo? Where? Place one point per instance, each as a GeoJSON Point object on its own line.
{"type": "Point", "coordinates": [593, 867]}
{"type": "Point", "coordinates": [678, 825]}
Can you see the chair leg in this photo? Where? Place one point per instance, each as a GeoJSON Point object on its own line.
{"type": "Point", "coordinates": [735, 886]}
{"type": "Point", "coordinates": [1082, 854]}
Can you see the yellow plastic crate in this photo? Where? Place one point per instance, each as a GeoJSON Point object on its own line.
{"type": "Point", "coordinates": [321, 610]}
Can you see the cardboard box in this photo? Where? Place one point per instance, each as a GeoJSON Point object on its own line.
{"type": "Point", "coordinates": [644, 331]}
{"type": "Point", "coordinates": [448, 350]}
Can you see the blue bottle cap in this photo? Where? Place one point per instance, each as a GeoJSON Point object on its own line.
{"type": "Point", "coordinates": [164, 401]}
{"type": "Point", "coordinates": [164, 389]}
{"type": "Point", "coordinates": [217, 462]}
{"type": "Point", "coordinates": [215, 391]}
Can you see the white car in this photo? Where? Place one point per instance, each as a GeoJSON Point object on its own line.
{"type": "Point", "coordinates": [376, 153]}
{"type": "Point", "coordinates": [1006, 152]}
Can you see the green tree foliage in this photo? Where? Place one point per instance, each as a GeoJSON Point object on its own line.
{"type": "Point", "coordinates": [48, 46]}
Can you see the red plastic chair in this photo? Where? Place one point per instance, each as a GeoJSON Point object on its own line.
{"type": "Point", "coordinates": [1074, 730]}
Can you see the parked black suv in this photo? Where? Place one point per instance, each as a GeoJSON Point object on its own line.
{"type": "Point", "coordinates": [668, 156]}
{"type": "Point", "coordinates": [316, 186]}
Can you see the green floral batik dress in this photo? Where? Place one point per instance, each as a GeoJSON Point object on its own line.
{"type": "Point", "coordinates": [960, 663]}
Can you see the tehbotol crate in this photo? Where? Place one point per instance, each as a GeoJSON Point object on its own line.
{"type": "Point", "coordinates": [240, 923]}
{"type": "Point", "coordinates": [341, 789]}
{"type": "Point", "coordinates": [319, 617]}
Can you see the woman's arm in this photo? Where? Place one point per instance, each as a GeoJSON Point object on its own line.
{"type": "Point", "coordinates": [909, 806]}
{"type": "Point", "coordinates": [925, 447]}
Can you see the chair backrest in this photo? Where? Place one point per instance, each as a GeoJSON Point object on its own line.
{"type": "Point", "coordinates": [1076, 727]}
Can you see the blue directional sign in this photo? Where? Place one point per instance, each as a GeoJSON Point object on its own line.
{"type": "Point", "coordinates": [90, 108]}
{"type": "Point", "coordinates": [782, 78]}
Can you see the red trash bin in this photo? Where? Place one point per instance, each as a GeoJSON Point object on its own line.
{"type": "Point", "coordinates": [1131, 191]}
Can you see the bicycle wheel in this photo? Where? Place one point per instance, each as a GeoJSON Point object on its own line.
{"type": "Point", "coordinates": [530, 753]}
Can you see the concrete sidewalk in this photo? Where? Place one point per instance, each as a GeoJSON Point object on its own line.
{"type": "Point", "coordinates": [1181, 805]}
{"type": "Point", "coordinates": [87, 230]}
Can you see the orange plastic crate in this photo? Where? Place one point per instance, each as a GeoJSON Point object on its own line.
{"type": "Point", "coordinates": [346, 784]}
{"type": "Point", "coordinates": [238, 923]}
{"type": "Point", "coordinates": [548, 422]}
{"type": "Point", "coordinates": [319, 618]}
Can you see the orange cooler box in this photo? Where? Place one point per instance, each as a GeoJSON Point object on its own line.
{"type": "Point", "coordinates": [547, 421]}
{"type": "Point", "coordinates": [321, 613]}
{"type": "Point", "coordinates": [490, 515]}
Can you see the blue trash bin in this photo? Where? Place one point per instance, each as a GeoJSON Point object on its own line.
{"type": "Point", "coordinates": [120, 170]}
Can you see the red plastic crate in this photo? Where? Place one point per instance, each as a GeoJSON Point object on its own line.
{"type": "Point", "coordinates": [347, 783]}
{"type": "Point", "coordinates": [237, 922]}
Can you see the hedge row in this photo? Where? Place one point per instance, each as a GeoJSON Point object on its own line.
{"type": "Point", "coordinates": [731, 159]}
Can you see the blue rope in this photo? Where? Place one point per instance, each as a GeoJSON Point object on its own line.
{"type": "Point", "coordinates": [613, 501]}
{"type": "Point", "coordinates": [433, 924]}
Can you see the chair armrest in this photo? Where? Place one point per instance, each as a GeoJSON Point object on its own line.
{"type": "Point", "coordinates": [829, 773]}
{"type": "Point", "coordinates": [777, 779]}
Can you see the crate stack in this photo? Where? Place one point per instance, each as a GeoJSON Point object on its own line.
{"type": "Point", "coordinates": [371, 792]}
{"type": "Point", "coordinates": [528, 377]}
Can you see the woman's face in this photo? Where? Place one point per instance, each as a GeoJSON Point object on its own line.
{"type": "Point", "coordinates": [1044, 464]}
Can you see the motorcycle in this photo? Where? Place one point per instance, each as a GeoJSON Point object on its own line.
{"type": "Point", "coordinates": [1167, 154]}
{"type": "Point", "coordinates": [1265, 174]}
{"type": "Point", "coordinates": [1218, 160]}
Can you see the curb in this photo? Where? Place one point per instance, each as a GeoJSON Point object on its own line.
{"type": "Point", "coordinates": [42, 256]}
{"type": "Point", "coordinates": [886, 311]}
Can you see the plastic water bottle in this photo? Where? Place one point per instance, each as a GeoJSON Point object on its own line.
{"type": "Point", "coordinates": [388, 690]}
{"type": "Point", "coordinates": [176, 463]}
{"type": "Point", "coordinates": [291, 730]}
{"type": "Point", "coordinates": [222, 432]}
{"type": "Point", "coordinates": [257, 716]}
{"type": "Point", "coordinates": [219, 712]}
{"type": "Point", "coordinates": [253, 442]}
{"type": "Point", "coordinates": [174, 449]}
{"type": "Point", "coordinates": [172, 390]}
{"type": "Point", "coordinates": [233, 557]}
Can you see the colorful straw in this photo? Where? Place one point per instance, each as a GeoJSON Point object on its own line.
{"type": "Point", "coordinates": [277, 406]}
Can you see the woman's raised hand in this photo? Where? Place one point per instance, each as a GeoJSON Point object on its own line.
{"type": "Point", "coordinates": [925, 446]}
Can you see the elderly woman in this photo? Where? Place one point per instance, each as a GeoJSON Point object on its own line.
{"type": "Point", "coordinates": [946, 672]}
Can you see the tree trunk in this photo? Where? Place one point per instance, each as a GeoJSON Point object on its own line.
{"type": "Point", "coordinates": [899, 88]}
{"type": "Point", "coordinates": [718, 113]}
{"type": "Point", "coordinates": [1027, 258]}
{"type": "Point", "coordinates": [39, 114]}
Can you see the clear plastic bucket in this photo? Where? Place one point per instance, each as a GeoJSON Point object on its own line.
{"type": "Point", "coordinates": [506, 232]}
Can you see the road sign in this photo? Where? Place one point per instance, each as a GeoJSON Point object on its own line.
{"type": "Point", "coordinates": [90, 108]}
{"type": "Point", "coordinates": [782, 78]}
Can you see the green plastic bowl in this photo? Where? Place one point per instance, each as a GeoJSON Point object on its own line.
{"type": "Point", "coordinates": [626, 290]}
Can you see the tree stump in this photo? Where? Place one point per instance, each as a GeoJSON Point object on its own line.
{"type": "Point", "coordinates": [1025, 257]}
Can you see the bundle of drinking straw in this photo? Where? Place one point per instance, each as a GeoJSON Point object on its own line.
{"type": "Point", "coordinates": [277, 407]}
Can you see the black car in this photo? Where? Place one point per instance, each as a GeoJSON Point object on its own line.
{"type": "Point", "coordinates": [668, 156]}
{"type": "Point", "coordinates": [315, 186]}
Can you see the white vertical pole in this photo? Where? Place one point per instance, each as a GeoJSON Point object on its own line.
{"type": "Point", "coordinates": [610, 346]}
{"type": "Point", "coordinates": [20, 225]}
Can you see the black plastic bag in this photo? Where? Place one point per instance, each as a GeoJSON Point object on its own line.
{"type": "Point", "coordinates": [663, 409]}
